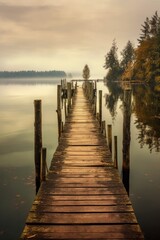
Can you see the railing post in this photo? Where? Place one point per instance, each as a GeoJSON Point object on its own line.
{"type": "Point", "coordinates": [109, 130]}
{"type": "Point", "coordinates": [104, 128]}
{"type": "Point", "coordinates": [115, 152]}
{"type": "Point", "coordinates": [100, 107]}
{"type": "Point", "coordinates": [59, 114]}
{"type": "Point", "coordinates": [76, 87]}
{"type": "Point", "coordinates": [43, 164]}
{"type": "Point", "coordinates": [95, 98]}
{"type": "Point", "coordinates": [69, 95]}
{"type": "Point", "coordinates": [37, 142]}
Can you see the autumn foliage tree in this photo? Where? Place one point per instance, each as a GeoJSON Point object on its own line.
{"type": "Point", "coordinates": [147, 55]}
{"type": "Point", "coordinates": [142, 63]}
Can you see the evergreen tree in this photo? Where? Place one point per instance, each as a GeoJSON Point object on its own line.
{"type": "Point", "coordinates": [154, 24]}
{"type": "Point", "coordinates": [86, 72]}
{"type": "Point", "coordinates": [127, 55]}
{"type": "Point", "coordinates": [146, 65]}
{"type": "Point", "coordinates": [111, 58]}
{"type": "Point", "coordinates": [145, 31]}
{"type": "Point", "coordinates": [112, 63]}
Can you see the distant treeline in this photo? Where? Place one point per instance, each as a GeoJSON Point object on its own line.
{"type": "Point", "coordinates": [22, 74]}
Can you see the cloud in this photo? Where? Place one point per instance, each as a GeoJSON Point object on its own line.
{"type": "Point", "coordinates": [41, 31]}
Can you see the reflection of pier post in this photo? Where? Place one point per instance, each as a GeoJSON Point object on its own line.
{"type": "Point", "coordinates": [126, 138]}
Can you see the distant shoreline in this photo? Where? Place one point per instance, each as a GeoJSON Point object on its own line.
{"type": "Point", "coordinates": [32, 74]}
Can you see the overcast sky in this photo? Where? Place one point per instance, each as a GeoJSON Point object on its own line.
{"type": "Point", "coordinates": [67, 34]}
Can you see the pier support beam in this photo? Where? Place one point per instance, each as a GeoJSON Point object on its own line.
{"type": "Point", "coordinates": [37, 142]}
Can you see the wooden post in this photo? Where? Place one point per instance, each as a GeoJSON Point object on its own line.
{"type": "Point", "coordinates": [37, 142]}
{"type": "Point", "coordinates": [100, 107]}
{"type": "Point", "coordinates": [95, 98]}
{"type": "Point", "coordinates": [65, 108]}
{"type": "Point", "coordinates": [76, 87]}
{"type": "Point", "coordinates": [43, 164]}
{"type": "Point", "coordinates": [104, 128]}
{"type": "Point", "coordinates": [126, 138]}
{"type": "Point", "coordinates": [109, 130]}
{"type": "Point", "coordinates": [115, 152]}
{"type": "Point", "coordinates": [59, 114]}
{"type": "Point", "coordinates": [69, 95]}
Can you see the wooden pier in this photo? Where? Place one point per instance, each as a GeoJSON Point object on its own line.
{"type": "Point", "coordinates": [83, 196]}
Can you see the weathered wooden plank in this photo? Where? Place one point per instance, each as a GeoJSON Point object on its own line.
{"type": "Point", "coordinates": [80, 236]}
{"type": "Point", "coordinates": [81, 209]}
{"type": "Point", "coordinates": [82, 148]}
{"type": "Point", "coordinates": [84, 191]}
{"type": "Point", "coordinates": [81, 218]}
{"type": "Point", "coordinates": [49, 200]}
{"type": "Point", "coordinates": [84, 185]}
{"type": "Point", "coordinates": [75, 174]}
{"type": "Point", "coordinates": [109, 171]}
{"type": "Point", "coordinates": [119, 199]}
{"type": "Point", "coordinates": [127, 231]}
{"type": "Point", "coordinates": [108, 181]}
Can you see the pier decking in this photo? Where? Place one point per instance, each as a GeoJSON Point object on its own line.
{"type": "Point", "coordinates": [83, 196]}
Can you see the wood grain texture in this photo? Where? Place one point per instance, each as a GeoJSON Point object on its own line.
{"type": "Point", "coordinates": [83, 196]}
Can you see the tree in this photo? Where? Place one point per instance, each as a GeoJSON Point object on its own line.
{"type": "Point", "coordinates": [127, 55]}
{"type": "Point", "coordinates": [154, 24]}
{"type": "Point", "coordinates": [145, 65]}
{"type": "Point", "coordinates": [86, 72]}
{"type": "Point", "coordinates": [112, 63]}
{"type": "Point", "coordinates": [111, 58]}
{"type": "Point", "coordinates": [145, 31]}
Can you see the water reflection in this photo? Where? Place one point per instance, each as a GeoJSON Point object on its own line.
{"type": "Point", "coordinates": [139, 152]}
{"type": "Point", "coordinates": [111, 99]}
{"type": "Point", "coordinates": [17, 186]}
{"type": "Point", "coordinates": [126, 137]}
{"type": "Point", "coordinates": [144, 102]}
{"type": "Point", "coordinates": [146, 106]}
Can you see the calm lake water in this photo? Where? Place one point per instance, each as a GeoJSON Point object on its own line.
{"type": "Point", "coordinates": [17, 188]}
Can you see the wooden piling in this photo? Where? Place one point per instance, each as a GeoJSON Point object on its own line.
{"type": "Point", "coordinates": [37, 142]}
{"type": "Point", "coordinates": [104, 128]}
{"type": "Point", "coordinates": [126, 137]}
{"type": "Point", "coordinates": [100, 107]}
{"type": "Point", "coordinates": [115, 152]}
{"type": "Point", "coordinates": [43, 164]}
{"type": "Point", "coordinates": [95, 98]}
{"type": "Point", "coordinates": [69, 95]}
{"type": "Point", "coordinates": [109, 130]}
{"type": "Point", "coordinates": [59, 113]}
